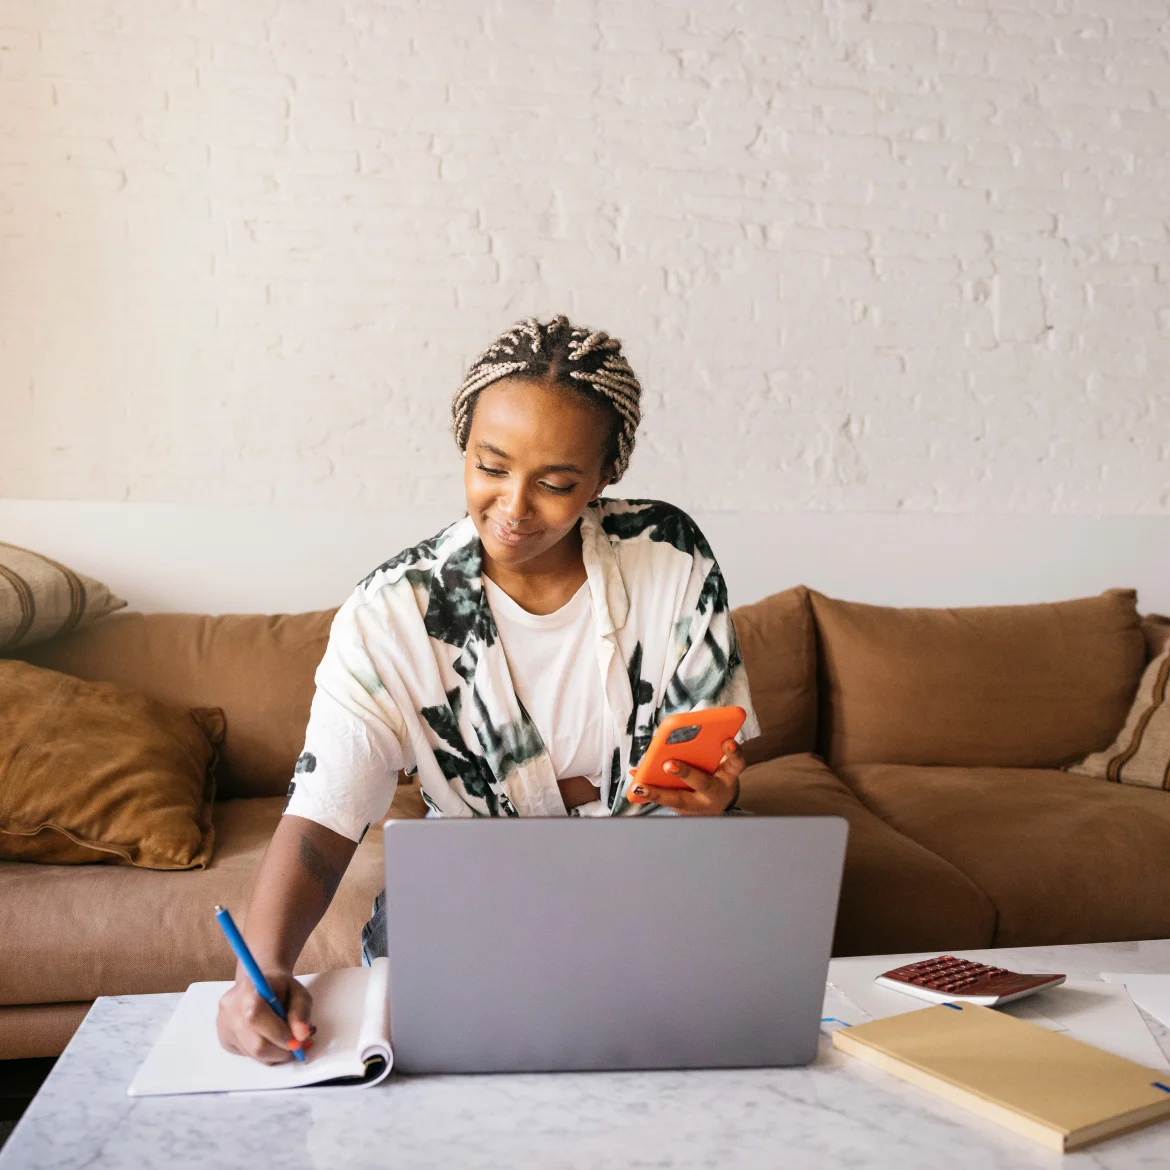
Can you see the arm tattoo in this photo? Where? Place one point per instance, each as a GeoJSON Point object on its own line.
{"type": "Point", "coordinates": [319, 869]}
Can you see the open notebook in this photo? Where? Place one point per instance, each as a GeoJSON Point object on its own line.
{"type": "Point", "coordinates": [352, 1046]}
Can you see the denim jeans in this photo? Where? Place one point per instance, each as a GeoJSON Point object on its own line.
{"type": "Point", "coordinates": [374, 932]}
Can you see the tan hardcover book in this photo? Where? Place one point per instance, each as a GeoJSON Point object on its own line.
{"type": "Point", "coordinates": [1041, 1084]}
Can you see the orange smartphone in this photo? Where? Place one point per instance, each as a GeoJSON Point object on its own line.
{"type": "Point", "coordinates": [694, 737]}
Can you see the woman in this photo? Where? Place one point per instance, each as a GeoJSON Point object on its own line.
{"type": "Point", "coordinates": [517, 663]}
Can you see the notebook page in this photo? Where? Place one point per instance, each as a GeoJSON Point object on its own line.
{"type": "Point", "coordinates": [188, 1058]}
{"type": "Point", "coordinates": [374, 1037]}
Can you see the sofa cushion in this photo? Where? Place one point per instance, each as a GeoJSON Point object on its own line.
{"type": "Point", "coordinates": [38, 1029]}
{"type": "Point", "coordinates": [76, 932]}
{"type": "Point", "coordinates": [778, 644]}
{"type": "Point", "coordinates": [91, 772]}
{"type": "Point", "coordinates": [895, 895]}
{"type": "Point", "coordinates": [258, 668]}
{"type": "Point", "coordinates": [1034, 686]}
{"type": "Point", "coordinates": [1156, 628]}
{"type": "Point", "coordinates": [40, 598]}
{"type": "Point", "coordinates": [1141, 752]}
{"type": "Point", "coordinates": [1064, 858]}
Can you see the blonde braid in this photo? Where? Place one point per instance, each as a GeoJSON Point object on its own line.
{"type": "Point", "coordinates": [587, 361]}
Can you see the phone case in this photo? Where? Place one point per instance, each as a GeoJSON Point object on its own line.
{"type": "Point", "coordinates": [694, 737]}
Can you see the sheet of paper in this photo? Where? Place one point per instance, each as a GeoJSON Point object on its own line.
{"type": "Point", "coordinates": [1086, 1009]}
{"type": "Point", "coordinates": [188, 1058]}
{"type": "Point", "coordinates": [1101, 1015]}
{"type": "Point", "coordinates": [838, 1012]}
{"type": "Point", "coordinates": [1150, 992]}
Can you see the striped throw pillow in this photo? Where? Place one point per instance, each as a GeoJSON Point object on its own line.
{"type": "Point", "coordinates": [40, 598]}
{"type": "Point", "coordinates": [1141, 752]}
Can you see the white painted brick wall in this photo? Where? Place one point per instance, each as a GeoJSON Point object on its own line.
{"type": "Point", "coordinates": [865, 254]}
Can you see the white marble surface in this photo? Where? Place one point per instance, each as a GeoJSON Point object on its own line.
{"type": "Point", "coordinates": [836, 1113]}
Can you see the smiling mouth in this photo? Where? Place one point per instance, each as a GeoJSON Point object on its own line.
{"type": "Point", "coordinates": [509, 535]}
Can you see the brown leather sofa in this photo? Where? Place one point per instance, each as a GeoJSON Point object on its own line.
{"type": "Point", "coordinates": [938, 734]}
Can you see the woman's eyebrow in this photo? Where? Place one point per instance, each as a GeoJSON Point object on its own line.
{"type": "Point", "coordinates": [548, 467]}
{"type": "Point", "coordinates": [493, 450]}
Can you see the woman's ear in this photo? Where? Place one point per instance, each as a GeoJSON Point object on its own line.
{"type": "Point", "coordinates": [604, 482]}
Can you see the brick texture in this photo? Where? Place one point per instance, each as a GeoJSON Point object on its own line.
{"type": "Point", "coordinates": [864, 254]}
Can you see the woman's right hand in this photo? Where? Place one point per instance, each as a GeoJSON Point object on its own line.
{"type": "Point", "coordinates": [302, 865]}
{"type": "Point", "coordinates": [247, 1026]}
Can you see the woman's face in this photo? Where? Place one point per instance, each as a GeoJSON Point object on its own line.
{"type": "Point", "coordinates": [534, 457]}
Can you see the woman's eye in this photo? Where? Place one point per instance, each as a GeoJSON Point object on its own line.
{"type": "Point", "coordinates": [551, 487]}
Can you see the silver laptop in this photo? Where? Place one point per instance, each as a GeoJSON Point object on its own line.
{"type": "Point", "coordinates": [609, 943]}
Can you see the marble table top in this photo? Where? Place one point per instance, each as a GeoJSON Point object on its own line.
{"type": "Point", "coordinates": [835, 1113]}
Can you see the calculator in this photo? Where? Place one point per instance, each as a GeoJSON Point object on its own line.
{"type": "Point", "coordinates": [951, 980]}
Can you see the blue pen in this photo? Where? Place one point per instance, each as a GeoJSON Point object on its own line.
{"type": "Point", "coordinates": [236, 940]}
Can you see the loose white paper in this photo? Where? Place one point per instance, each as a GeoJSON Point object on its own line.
{"type": "Point", "coordinates": [1088, 1010]}
{"type": "Point", "coordinates": [1101, 1015]}
{"type": "Point", "coordinates": [1150, 992]}
{"type": "Point", "coordinates": [838, 1012]}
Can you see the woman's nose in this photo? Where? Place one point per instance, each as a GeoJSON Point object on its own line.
{"type": "Point", "coordinates": [516, 506]}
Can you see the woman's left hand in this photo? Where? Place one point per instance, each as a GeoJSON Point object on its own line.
{"type": "Point", "coordinates": [712, 793]}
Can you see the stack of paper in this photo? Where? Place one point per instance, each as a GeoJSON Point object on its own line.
{"type": "Point", "coordinates": [1101, 1014]}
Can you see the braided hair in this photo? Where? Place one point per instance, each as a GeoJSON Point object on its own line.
{"type": "Point", "coordinates": [586, 361]}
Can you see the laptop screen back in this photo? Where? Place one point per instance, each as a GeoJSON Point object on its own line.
{"type": "Point", "coordinates": [609, 943]}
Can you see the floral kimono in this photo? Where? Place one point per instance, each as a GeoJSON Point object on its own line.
{"type": "Point", "coordinates": [415, 675]}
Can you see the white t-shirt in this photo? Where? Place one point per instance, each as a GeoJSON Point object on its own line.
{"type": "Point", "coordinates": [552, 659]}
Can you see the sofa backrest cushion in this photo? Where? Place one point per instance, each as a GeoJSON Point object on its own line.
{"type": "Point", "coordinates": [778, 644]}
{"type": "Point", "coordinates": [257, 668]}
{"type": "Point", "coordinates": [1027, 686]}
{"type": "Point", "coordinates": [1156, 628]}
